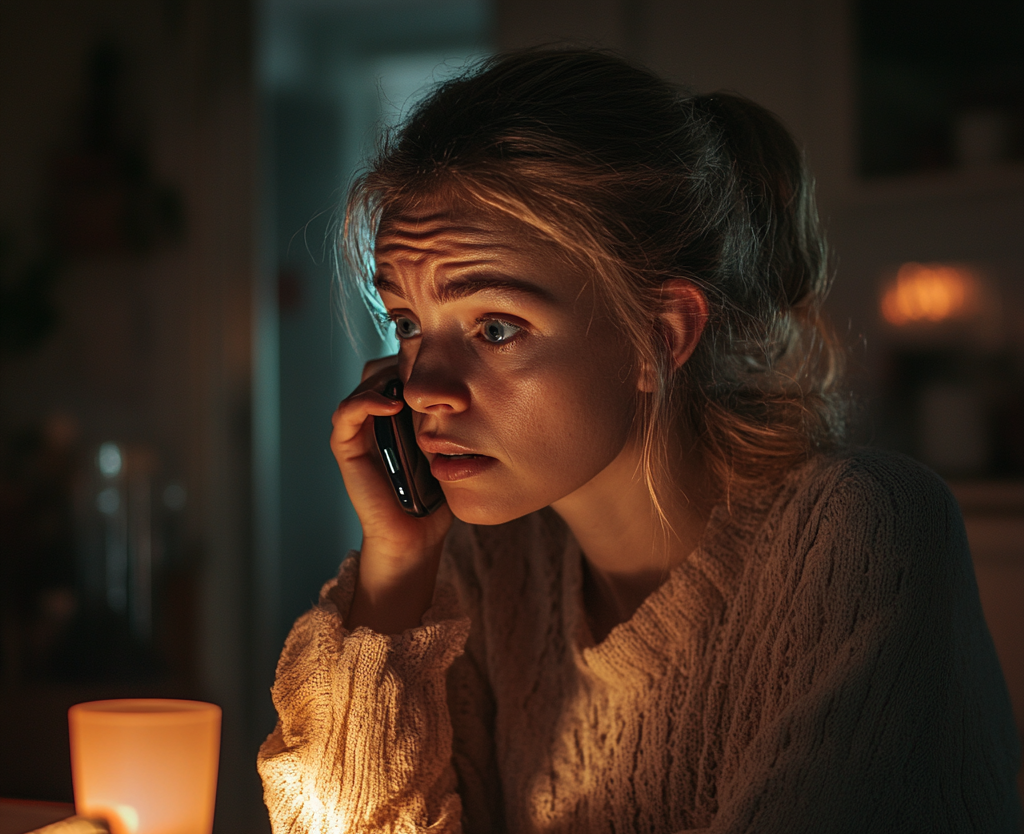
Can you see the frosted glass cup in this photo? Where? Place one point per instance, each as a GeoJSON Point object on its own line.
{"type": "Point", "coordinates": [146, 765]}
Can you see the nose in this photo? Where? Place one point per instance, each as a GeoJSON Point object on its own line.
{"type": "Point", "coordinates": [437, 380]}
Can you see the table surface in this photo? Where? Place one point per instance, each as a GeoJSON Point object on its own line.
{"type": "Point", "coordinates": [18, 816]}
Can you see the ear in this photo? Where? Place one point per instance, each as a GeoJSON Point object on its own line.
{"type": "Point", "coordinates": [684, 312]}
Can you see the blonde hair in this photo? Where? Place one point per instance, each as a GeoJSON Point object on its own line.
{"type": "Point", "coordinates": [637, 182]}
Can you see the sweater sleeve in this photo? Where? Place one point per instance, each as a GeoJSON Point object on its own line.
{"type": "Point", "coordinates": [882, 706]}
{"type": "Point", "coordinates": [364, 738]}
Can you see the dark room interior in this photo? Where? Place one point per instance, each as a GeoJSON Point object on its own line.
{"type": "Point", "coordinates": [171, 344]}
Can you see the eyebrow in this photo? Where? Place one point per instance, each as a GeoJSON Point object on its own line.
{"type": "Point", "coordinates": [463, 287]}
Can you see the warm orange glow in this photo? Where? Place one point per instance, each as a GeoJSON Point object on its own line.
{"type": "Point", "coordinates": [929, 293]}
{"type": "Point", "coordinates": [148, 766]}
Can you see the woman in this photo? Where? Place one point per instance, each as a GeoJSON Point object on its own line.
{"type": "Point", "coordinates": [669, 600]}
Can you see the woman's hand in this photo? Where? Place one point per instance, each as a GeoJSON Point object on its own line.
{"type": "Point", "coordinates": [400, 553]}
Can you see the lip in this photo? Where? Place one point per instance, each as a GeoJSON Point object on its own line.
{"type": "Point", "coordinates": [451, 460]}
{"type": "Point", "coordinates": [450, 469]}
{"type": "Point", "coordinates": [434, 445]}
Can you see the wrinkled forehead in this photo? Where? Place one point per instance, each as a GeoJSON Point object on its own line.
{"type": "Point", "coordinates": [439, 240]}
{"type": "Point", "coordinates": [465, 222]}
{"type": "Point", "coordinates": [432, 245]}
{"type": "Point", "coordinates": [426, 229]}
{"type": "Point", "coordinates": [419, 223]}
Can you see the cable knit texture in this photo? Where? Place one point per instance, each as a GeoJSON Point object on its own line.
{"type": "Point", "coordinates": [818, 664]}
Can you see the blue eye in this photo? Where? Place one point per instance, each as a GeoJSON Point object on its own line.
{"type": "Point", "coordinates": [405, 328]}
{"type": "Point", "coordinates": [498, 332]}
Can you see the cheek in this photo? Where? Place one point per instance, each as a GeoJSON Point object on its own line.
{"type": "Point", "coordinates": [556, 418]}
{"type": "Point", "coordinates": [567, 418]}
{"type": "Point", "coordinates": [598, 397]}
{"type": "Point", "coordinates": [556, 431]}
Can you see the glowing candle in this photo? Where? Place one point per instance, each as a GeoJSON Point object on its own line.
{"type": "Point", "coordinates": [147, 766]}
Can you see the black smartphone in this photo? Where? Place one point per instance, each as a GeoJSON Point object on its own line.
{"type": "Point", "coordinates": [417, 491]}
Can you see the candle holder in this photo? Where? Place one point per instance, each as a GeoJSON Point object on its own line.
{"type": "Point", "coordinates": [146, 766]}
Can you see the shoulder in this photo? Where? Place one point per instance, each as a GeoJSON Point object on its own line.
{"type": "Point", "coordinates": [860, 551]}
{"type": "Point", "coordinates": [877, 475]}
{"type": "Point", "coordinates": [875, 495]}
{"type": "Point", "coordinates": [871, 523]}
{"type": "Point", "coordinates": [859, 649]}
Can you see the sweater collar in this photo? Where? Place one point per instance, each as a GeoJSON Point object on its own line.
{"type": "Point", "coordinates": [674, 624]}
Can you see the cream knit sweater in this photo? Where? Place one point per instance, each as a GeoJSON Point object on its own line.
{"type": "Point", "coordinates": [818, 664]}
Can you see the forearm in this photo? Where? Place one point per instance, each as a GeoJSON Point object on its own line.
{"type": "Point", "coordinates": [364, 737]}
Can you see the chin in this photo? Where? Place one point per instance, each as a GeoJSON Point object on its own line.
{"type": "Point", "coordinates": [487, 510]}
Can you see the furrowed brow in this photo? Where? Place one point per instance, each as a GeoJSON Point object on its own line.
{"type": "Point", "coordinates": [386, 285]}
{"type": "Point", "coordinates": [464, 287]}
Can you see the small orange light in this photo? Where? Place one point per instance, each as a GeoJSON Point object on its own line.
{"type": "Point", "coordinates": [147, 766]}
{"type": "Point", "coordinates": [929, 293]}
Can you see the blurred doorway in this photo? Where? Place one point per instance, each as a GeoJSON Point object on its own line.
{"type": "Point", "coordinates": [333, 76]}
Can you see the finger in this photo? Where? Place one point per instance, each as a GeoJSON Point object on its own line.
{"type": "Point", "coordinates": [353, 410]}
{"type": "Point", "coordinates": [354, 448]}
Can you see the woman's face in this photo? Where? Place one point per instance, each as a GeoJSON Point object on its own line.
{"type": "Point", "coordinates": [523, 389]}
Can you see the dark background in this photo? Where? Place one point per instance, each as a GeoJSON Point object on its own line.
{"type": "Point", "coordinates": [169, 171]}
